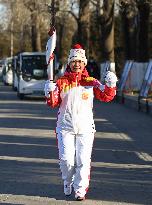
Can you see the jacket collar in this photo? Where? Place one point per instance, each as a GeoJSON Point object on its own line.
{"type": "Point", "coordinates": [76, 76]}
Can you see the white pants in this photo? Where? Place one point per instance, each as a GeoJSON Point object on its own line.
{"type": "Point", "coordinates": [75, 158]}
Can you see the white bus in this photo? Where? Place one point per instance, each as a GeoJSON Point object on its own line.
{"type": "Point", "coordinates": [14, 69]}
{"type": "Point", "coordinates": [31, 73]}
{"type": "Point", "coordinates": [7, 74]}
{"type": "Point", "coordinates": [1, 66]}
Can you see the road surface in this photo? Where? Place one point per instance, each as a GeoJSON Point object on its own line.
{"type": "Point", "coordinates": [121, 170]}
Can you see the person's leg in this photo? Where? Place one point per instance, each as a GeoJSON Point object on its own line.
{"type": "Point", "coordinates": [84, 145]}
{"type": "Point", "coordinates": [66, 146]}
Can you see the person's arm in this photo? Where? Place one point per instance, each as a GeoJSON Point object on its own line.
{"type": "Point", "coordinates": [52, 94]}
{"type": "Point", "coordinates": [106, 92]}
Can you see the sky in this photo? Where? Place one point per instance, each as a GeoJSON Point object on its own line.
{"type": "Point", "coordinates": [3, 16]}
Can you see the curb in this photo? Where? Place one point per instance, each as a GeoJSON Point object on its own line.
{"type": "Point", "coordinates": [133, 101]}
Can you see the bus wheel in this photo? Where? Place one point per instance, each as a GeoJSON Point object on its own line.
{"type": "Point", "coordinates": [14, 88]}
{"type": "Point", "coordinates": [20, 95]}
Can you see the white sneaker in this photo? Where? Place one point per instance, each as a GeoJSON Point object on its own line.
{"type": "Point", "coordinates": [79, 197]}
{"type": "Point", "coordinates": [67, 189]}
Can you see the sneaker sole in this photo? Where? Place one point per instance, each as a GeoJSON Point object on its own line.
{"type": "Point", "coordinates": [80, 198]}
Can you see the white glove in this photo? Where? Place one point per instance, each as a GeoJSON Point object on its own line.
{"type": "Point", "coordinates": [111, 79]}
{"type": "Point", "coordinates": [49, 86]}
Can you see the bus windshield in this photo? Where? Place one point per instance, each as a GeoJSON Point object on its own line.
{"type": "Point", "coordinates": [34, 65]}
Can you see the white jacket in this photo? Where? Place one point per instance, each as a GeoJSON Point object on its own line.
{"type": "Point", "coordinates": [74, 96]}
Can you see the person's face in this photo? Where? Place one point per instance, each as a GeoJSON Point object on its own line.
{"type": "Point", "coordinates": [77, 66]}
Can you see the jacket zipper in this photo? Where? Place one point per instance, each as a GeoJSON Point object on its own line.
{"type": "Point", "coordinates": [77, 102]}
{"type": "Point", "coordinates": [76, 80]}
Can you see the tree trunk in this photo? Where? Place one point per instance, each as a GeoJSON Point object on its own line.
{"type": "Point", "coordinates": [36, 36]}
{"type": "Point", "coordinates": [60, 32]}
{"type": "Point", "coordinates": [107, 30]}
{"type": "Point", "coordinates": [83, 25]}
{"type": "Point", "coordinates": [144, 11]}
{"type": "Point", "coordinates": [130, 24]}
{"type": "Point", "coordinates": [21, 38]}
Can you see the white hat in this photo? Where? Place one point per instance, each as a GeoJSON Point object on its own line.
{"type": "Point", "coordinates": [77, 53]}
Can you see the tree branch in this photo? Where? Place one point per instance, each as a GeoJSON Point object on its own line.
{"type": "Point", "coordinates": [94, 2]}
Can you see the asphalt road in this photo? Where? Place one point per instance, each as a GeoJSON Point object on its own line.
{"type": "Point", "coordinates": [121, 170]}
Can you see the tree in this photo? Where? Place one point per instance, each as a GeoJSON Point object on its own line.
{"type": "Point", "coordinates": [84, 25]}
{"type": "Point", "coordinates": [107, 30]}
{"type": "Point", "coordinates": [129, 12]}
{"type": "Point", "coordinates": [102, 30]}
{"type": "Point", "coordinates": [33, 7]}
{"type": "Point", "coordinates": [66, 26]}
{"type": "Point", "coordinates": [150, 32]}
{"type": "Point", "coordinates": [143, 37]}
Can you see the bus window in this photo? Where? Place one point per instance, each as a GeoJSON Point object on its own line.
{"type": "Point", "coordinates": [35, 66]}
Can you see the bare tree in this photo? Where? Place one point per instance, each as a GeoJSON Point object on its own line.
{"type": "Point", "coordinates": [107, 30]}
{"type": "Point", "coordinates": [80, 11]}
{"type": "Point", "coordinates": [84, 24]}
{"type": "Point", "coordinates": [22, 26]}
{"type": "Point", "coordinates": [33, 6]}
{"type": "Point", "coordinates": [130, 17]}
{"type": "Point", "coordinates": [102, 29]}
{"type": "Point", "coordinates": [66, 26]}
{"type": "Point", "coordinates": [143, 40]}
{"type": "Point", "coordinates": [150, 31]}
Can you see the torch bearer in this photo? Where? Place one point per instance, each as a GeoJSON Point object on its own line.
{"type": "Point", "coordinates": [51, 43]}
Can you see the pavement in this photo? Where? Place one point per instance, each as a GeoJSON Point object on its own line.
{"type": "Point", "coordinates": [121, 172]}
{"type": "Point", "coordinates": [132, 101]}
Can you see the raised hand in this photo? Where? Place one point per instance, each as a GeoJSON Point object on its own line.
{"type": "Point", "coordinates": [111, 79]}
{"type": "Point", "coordinates": [49, 86]}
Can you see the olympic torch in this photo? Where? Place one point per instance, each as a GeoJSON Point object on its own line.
{"type": "Point", "coordinates": [51, 43]}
